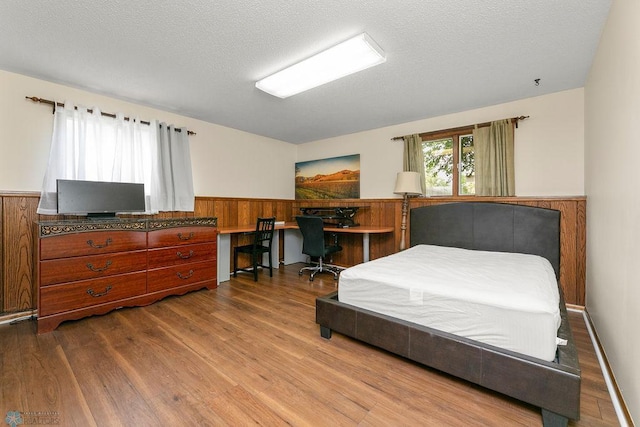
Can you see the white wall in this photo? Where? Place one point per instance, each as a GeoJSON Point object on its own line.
{"type": "Point", "coordinates": [549, 148]}
{"type": "Point", "coordinates": [231, 163]}
{"type": "Point", "coordinates": [226, 162]}
{"type": "Point", "coordinates": [612, 153]}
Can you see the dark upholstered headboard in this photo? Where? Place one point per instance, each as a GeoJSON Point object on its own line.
{"type": "Point", "coordinates": [495, 227]}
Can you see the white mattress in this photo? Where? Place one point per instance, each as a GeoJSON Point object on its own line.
{"type": "Point", "coordinates": [504, 299]}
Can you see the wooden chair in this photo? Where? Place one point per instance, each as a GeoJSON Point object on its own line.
{"type": "Point", "coordinates": [262, 240]}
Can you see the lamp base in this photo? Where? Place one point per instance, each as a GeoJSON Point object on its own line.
{"type": "Point", "coordinates": [403, 225]}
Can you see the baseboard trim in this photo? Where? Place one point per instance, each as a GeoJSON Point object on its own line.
{"type": "Point", "coordinates": [574, 307]}
{"type": "Point", "coordinates": [17, 317]}
{"type": "Point", "coordinates": [624, 417]}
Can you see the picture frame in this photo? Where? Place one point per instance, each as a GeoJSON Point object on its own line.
{"type": "Point", "coordinates": [330, 178]}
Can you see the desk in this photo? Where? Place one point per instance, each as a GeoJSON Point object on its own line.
{"type": "Point", "coordinates": [224, 248]}
{"type": "Point", "coordinates": [292, 243]}
{"type": "Point", "coordinates": [366, 231]}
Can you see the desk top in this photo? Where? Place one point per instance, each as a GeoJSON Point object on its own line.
{"type": "Point", "coordinates": [372, 229]}
{"type": "Point", "coordinates": [360, 229]}
{"type": "Point", "coordinates": [233, 229]}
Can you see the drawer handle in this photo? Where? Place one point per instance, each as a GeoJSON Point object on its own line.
{"type": "Point", "coordinates": [100, 294]}
{"type": "Point", "coordinates": [98, 269]}
{"type": "Point", "coordinates": [98, 246]}
{"type": "Point", "coordinates": [189, 237]}
{"type": "Point", "coordinates": [179, 255]}
{"type": "Point", "coordinates": [188, 275]}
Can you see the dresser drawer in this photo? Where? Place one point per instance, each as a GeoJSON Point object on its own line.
{"type": "Point", "coordinates": [91, 267]}
{"type": "Point", "coordinates": [181, 236]}
{"type": "Point", "coordinates": [85, 293]}
{"type": "Point", "coordinates": [91, 243]}
{"type": "Point", "coordinates": [181, 275]}
{"type": "Point", "coordinates": [178, 255]}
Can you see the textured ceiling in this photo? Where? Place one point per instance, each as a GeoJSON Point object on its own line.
{"type": "Point", "coordinates": [201, 58]}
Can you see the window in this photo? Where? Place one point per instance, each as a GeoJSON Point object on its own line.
{"type": "Point", "coordinates": [449, 163]}
{"type": "Point", "coordinates": [88, 145]}
{"type": "Point", "coordinates": [474, 160]}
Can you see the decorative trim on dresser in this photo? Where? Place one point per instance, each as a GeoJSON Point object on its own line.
{"type": "Point", "coordinates": [89, 267]}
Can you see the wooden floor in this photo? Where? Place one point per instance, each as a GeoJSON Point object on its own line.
{"type": "Point", "coordinates": [246, 353]}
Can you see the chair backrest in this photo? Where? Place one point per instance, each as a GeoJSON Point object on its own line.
{"type": "Point", "coordinates": [312, 229]}
{"type": "Point", "coordinates": [264, 231]}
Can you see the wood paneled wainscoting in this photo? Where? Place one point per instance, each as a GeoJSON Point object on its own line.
{"type": "Point", "coordinates": [18, 214]}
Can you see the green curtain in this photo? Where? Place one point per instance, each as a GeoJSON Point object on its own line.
{"type": "Point", "coordinates": [494, 165]}
{"type": "Point", "coordinates": [413, 159]}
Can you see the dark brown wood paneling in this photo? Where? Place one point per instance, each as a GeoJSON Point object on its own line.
{"type": "Point", "coordinates": [581, 253]}
{"type": "Point", "coordinates": [568, 267]}
{"type": "Point", "coordinates": [388, 212]}
{"type": "Point", "coordinates": [2, 261]}
{"type": "Point", "coordinates": [18, 211]}
{"type": "Point", "coordinates": [18, 215]}
{"type": "Point", "coordinates": [204, 206]}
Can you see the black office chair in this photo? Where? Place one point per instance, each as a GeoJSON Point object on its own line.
{"type": "Point", "coordinates": [314, 245]}
{"type": "Point", "coordinates": [262, 239]}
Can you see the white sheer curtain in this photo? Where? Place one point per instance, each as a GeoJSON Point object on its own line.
{"type": "Point", "coordinates": [89, 146]}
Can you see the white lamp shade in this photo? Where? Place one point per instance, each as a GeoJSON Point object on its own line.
{"type": "Point", "coordinates": [408, 183]}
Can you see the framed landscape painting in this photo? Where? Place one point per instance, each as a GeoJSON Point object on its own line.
{"type": "Point", "coordinates": [333, 178]}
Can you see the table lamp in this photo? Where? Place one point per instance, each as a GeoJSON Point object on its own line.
{"type": "Point", "coordinates": [407, 184]}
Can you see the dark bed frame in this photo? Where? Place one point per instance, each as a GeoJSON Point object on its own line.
{"type": "Point", "coordinates": [552, 386]}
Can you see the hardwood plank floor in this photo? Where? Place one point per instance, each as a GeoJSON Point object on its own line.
{"type": "Point", "coordinates": [247, 353]}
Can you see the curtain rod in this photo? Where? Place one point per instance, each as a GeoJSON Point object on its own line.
{"type": "Point", "coordinates": [515, 119]}
{"type": "Point", "coordinates": [113, 116]}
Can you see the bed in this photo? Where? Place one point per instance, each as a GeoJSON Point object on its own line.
{"type": "Point", "coordinates": [553, 385]}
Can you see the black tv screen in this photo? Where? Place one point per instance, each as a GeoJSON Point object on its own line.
{"type": "Point", "coordinates": [97, 198]}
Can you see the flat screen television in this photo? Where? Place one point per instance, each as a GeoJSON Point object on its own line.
{"type": "Point", "coordinates": [99, 199]}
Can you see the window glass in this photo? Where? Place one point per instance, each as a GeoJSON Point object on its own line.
{"type": "Point", "coordinates": [449, 165]}
{"type": "Point", "coordinates": [438, 166]}
{"type": "Point", "coordinates": [467, 166]}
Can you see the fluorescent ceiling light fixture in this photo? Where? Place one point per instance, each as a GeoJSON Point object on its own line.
{"type": "Point", "coordinates": [348, 57]}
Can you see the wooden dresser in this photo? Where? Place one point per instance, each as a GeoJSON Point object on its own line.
{"type": "Point", "coordinates": [91, 267]}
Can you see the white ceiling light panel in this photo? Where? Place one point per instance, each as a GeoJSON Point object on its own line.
{"type": "Point", "coordinates": [348, 57]}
